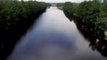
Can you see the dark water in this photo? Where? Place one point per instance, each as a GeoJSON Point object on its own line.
{"type": "Point", "coordinates": [54, 37]}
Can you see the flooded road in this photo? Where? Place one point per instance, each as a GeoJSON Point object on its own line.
{"type": "Point", "coordinates": [54, 37]}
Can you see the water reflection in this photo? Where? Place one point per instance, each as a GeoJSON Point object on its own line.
{"type": "Point", "coordinates": [95, 35]}
{"type": "Point", "coordinates": [53, 38]}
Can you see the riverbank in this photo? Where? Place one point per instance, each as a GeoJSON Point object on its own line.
{"type": "Point", "coordinates": [49, 35]}
{"type": "Point", "coordinates": [15, 18]}
{"type": "Point", "coordinates": [85, 18]}
{"type": "Point", "coordinates": [91, 20]}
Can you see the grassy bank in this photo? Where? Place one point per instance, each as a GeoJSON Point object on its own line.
{"type": "Point", "coordinates": [15, 18]}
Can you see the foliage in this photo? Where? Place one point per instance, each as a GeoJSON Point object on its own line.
{"type": "Point", "coordinates": [15, 19]}
{"type": "Point", "coordinates": [102, 19]}
{"type": "Point", "coordinates": [14, 12]}
{"type": "Point", "coordinates": [70, 9]}
{"type": "Point", "coordinates": [87, 11]}
{"type": "Point", "coordinates": [91, 19]}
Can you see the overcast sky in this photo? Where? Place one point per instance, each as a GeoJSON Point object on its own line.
{"type": "Point", "coordinates": [61, 0]}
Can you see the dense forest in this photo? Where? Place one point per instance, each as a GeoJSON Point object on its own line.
{"type": "Point", "coordinates": [92, 12]}
{"type": "Point", "coordinates": [91, 19]}
{"type": "Point", "coordinates": [15, 18]}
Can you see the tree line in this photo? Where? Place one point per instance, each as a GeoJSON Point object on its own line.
{"type": "Point", "coordinates": [88, 12]}
{"type": "Point", "coordinates": [15, 18]}
{"type": "Point", "coordinates": [91, 19]}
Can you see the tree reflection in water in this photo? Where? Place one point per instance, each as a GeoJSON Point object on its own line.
{"type": "Point", "coordinates": [95, 35]}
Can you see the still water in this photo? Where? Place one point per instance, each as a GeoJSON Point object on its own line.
{"type": "Point", "coordinates": [53, 37]}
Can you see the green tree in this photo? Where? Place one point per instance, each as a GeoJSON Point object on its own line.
{"type": "Point", "coordinates": [88, 11]}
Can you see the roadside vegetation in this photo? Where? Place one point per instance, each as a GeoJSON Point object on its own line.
{"type": "Point", "coordinates": [15, 18]}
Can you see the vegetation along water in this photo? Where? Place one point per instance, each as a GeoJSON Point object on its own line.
{"type": "Point", "coordinates": [15, 17]}
{"type": "Point", "coordinates": [91, 19]}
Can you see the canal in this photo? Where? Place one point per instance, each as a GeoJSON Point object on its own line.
{"type": "Point", "coordinates": [53, 37]}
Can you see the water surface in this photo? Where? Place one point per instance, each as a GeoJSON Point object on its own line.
{"type": "Point", "coordinates": [54, 37]}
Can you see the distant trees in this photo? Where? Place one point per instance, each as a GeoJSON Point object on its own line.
{"type": "Point", "coordinates": [102, 19]}
{"type": "Point", "coordinates": [88, 11]}
{"type": "Point", "coordinates": [15, 19]}
{"type": "Point", "coordinates": [91, 20]}
{"type": "Point", "coordinates": [70, 10]}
